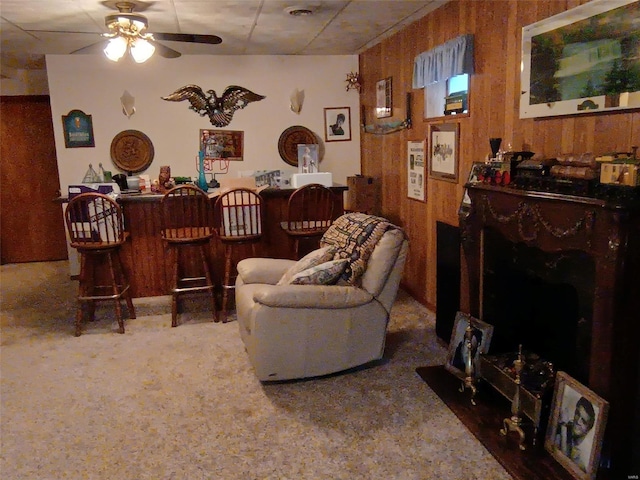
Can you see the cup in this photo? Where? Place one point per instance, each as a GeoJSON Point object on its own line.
{"type": "Point", "coordinates": [133, 183]}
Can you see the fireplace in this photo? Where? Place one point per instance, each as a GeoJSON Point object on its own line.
{"type": "Point", "coordinates": [559, 274]}
{"type": "Point", "coordinates": [528, 293]}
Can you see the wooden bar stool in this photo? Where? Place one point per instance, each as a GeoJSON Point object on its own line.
{"type": "Point", "coordinates": [238, 221]}
{"type": "Point", "coordinates": [187, 226]}
{"type": "Point", "coordinates": [95, 225]}
{"type": "Point", "coordinates": [309, 214]}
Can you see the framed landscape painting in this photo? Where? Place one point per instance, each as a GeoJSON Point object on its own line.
{"type": "Point", "coordinates": [582, 60]}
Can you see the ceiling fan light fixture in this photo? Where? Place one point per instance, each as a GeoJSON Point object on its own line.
{"type": "Point", "coordinates": [141, 50]}
{"type": "Point", "coordinates": [116, 48]}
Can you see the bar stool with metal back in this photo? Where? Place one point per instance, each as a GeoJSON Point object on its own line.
{"type": "Point", "coordinates": [309, 214]}
{"type": "Point", "coordinates": [238, 221]}
{"type": "Point", "coordinates": [186, 226]}
{"type": "Point", "coordinates": [95, 225]}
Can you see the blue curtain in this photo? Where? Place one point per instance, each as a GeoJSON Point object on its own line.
{"type": "Point", "coordinates": [452, 58]}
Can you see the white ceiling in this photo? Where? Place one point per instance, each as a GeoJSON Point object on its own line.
{"type": "Point", "coordinates": [29, 29]}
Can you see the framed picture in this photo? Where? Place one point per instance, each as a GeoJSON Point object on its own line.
{"type": "Point", "coordinates": [307, 158]}
{"type": "Point", "coordinates": [337, 124]}
{"type": "Point", "coordinates": [221, 145]}
{"type": "Point", "coordinates": [478, 338]}
{"type": "Point", "coordinates": [576, 427]}
{"type": "Point", "coordinates": [77, 127]}
{"type": "Point", "coordinates": [443, 151]}
{"type": "Point", "coordinates": [383, 98]}
{"type": "Point", "coordinates": [415, 169]}
{"type": "Point", "coordinates": [582, 60]}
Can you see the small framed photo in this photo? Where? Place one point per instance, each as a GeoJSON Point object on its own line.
{"type": "Point", "coordinates": [443, 151]}
{"type": "Point", "coordinates": [337, 124]}
{"type": "Point", "coordinates": [478, 338]}
{"type": "Point", "coordinates": [576, 427]}
{"type": "Point", "coordinates": [383, 98]}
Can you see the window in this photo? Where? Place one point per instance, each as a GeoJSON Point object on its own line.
{"type": "Point", "coordinates": [443, 72]}
{"type": "Point", "coordinates": [456, 89]}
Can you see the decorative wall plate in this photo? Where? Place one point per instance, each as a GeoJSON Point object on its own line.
{"type": "Point", "coordinates": [289, 140]}
{"type": "Point", "coordinates": [132, 151]}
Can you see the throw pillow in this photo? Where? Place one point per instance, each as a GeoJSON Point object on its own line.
{"type": "Point", "coordinates": [326, 273]}
{"type": "Point", "coordinates": [312, 259]}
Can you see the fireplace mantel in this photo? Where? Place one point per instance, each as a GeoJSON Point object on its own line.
{"type": "Point", "coordinates": [607, 231]}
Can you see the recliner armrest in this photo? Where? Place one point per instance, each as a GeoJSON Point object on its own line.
{"type": "Point", "coordinates": [311, 296]}
{"type": "Point", "coordinates": [263, 270]}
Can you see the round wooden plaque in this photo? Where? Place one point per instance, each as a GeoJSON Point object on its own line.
{"type": "Point", "coordinates": [289, 140]}
{"type": "Point", "coordinates": [132, 151]}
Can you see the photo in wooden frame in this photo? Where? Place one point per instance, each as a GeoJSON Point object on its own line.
{"type": "Point", "coordinates": [337, 124]}
{"type": "Point", "coordinates": [219, 145]}
{"type": "Point", "coordinates": [384, 98]}
{"type": "Point", "coordinates": [480, 338]}
{"type": "Point", "coordinates": [576, 427]}
{"type": "Point", "coordinates": [443, 151]}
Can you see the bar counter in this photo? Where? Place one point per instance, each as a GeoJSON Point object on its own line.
{"type": "Point", "coordinates": [147, 258]}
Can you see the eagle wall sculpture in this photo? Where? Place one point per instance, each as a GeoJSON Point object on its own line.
{"type": "Point", "coordinates": [219, 109]}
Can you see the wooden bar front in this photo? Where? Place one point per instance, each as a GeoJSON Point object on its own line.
{"type": "Point", "coordinates": [148, 259]}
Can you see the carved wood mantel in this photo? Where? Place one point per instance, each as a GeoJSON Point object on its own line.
{"type": "Point", "coordinates": [609, 233]}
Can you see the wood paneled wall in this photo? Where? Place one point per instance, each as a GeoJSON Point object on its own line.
{"type": "Point", "coordinates": [494, 112]}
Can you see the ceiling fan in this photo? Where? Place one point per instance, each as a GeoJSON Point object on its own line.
{"type": "Point", "coordinates": [128, 31]}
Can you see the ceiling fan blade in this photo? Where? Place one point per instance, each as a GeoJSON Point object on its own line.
{"type": "Point", "coordinates": [93, 48]}
{"type": "Point", "coordinates": [186, 37]}
{"type": "Point", "coordinates": [165, 51]}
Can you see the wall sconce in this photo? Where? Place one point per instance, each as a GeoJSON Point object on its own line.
{"type": "Point", "coordinates": [353, 81]}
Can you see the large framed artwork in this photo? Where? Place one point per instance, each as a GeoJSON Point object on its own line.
{"type": "Point", "coordinates": [443, 151]}
{"type": "Point", "coordinates": [583, 60]}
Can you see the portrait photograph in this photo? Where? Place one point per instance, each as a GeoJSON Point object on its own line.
{"type": "Point", "coordinates": [479, 339]}
{"type": "Point", "coordinates": [576, 427]}
{"type": "Point", "coordinates": [337, 124]}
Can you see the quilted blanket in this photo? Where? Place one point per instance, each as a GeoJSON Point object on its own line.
{"type": "Point", "coordinates": [355, 235]}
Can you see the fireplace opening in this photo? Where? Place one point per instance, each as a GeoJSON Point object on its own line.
{"type": "Point", "coordinates": [542, 300]}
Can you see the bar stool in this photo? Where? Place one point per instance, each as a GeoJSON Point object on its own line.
{"type": "Point", "coordinates": [309, 214]}
{"type": "Point", "coordinates": [238, 221]}
{"type": "Point", "coordinates": [186, 225]}
{"type": "Point", "coordinates": [95, 225]}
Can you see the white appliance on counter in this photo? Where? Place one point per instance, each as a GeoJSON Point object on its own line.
{"type": "Point", "coordinates": [302, 179]}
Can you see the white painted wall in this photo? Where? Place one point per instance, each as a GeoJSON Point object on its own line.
{"type": "Point", "coordinates": [94, 85]}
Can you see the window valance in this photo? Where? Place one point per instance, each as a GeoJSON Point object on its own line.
{"type": "Point", "coordinates": [452, 58]}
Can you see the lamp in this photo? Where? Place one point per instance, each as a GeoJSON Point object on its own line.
{"type": "Point", "coordinates": [126, 32]}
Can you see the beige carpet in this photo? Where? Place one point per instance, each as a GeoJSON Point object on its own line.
{"type": "Point", "coordinates": [183, 403]}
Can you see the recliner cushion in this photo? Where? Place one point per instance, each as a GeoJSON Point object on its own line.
{"type": "Point", "coordinates": [326, 273]}
{"type": "Point", "coordinates": [316, 257]}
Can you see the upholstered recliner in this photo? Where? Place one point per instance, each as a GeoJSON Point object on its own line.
{"type": "Point", "coordinates": [303, 330]}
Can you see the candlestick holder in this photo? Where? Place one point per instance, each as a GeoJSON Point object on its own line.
{"type": "Point", "coordinates": [469, 381]}
{"type": "Point", "coordinates": [514, 423]}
